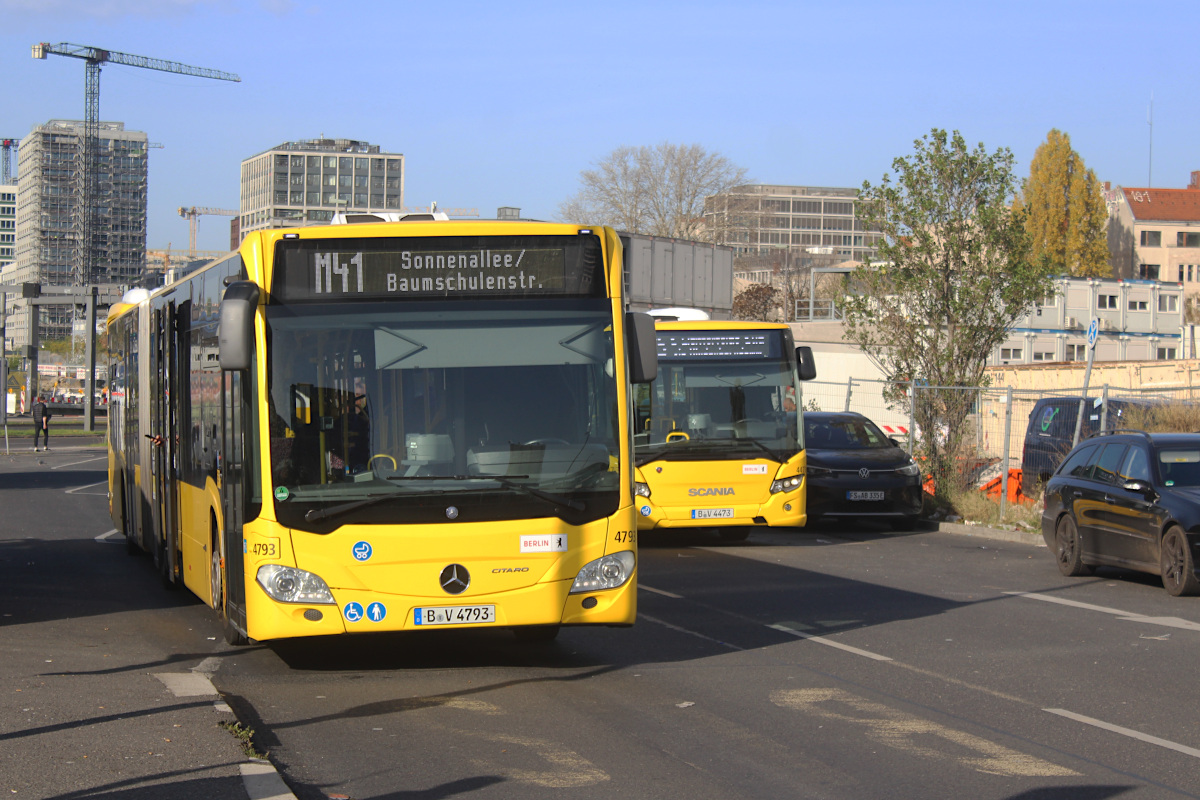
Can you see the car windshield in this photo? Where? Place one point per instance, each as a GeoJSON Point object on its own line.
{"type": "Point", "coordinates": [843, 434]}
{"type": "Point", "coordinates": [503, 410]}
{"type": "Point", "coordinates": [1179, 467]}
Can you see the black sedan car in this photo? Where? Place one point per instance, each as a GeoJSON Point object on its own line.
{"type": "Point", "coordinates": [855, 470]}
{"type": "Point", "coordinates": [1128, 499]}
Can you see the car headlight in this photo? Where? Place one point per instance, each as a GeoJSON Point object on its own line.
{"type": "Point", "coordinates": [786, 484]}
{"type": "Point", "coordinates": [819, 472]}
{"type": "Point", "coordinates": [910, 468]}
{"type": "Point", "coordinates": [608, 572]}
{"type": "Point", "coordinates": [641, 489]}
{"type": "Point", "coordinates": [291, 585]}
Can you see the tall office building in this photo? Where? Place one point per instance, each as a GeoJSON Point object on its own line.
{"type": "Point", "coordinates": [50, 206]}
{"type": "Point", "coordinates": [8, 237]}
{"type": "Point", "coordinates": [306, 182]}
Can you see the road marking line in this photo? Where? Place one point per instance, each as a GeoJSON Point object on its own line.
{"type": "Point", "coordinates": [89, 486]}
{"type": "Point", "coordinates": [1126, 616]}
{"type": "Point", "coordinates": [666, 624]}
{"type": "Point", "coordinates": [829, 642]}
{"type": "Point", "coordinates": [77, 463]}
{"type": "Point", "coordinates": [663, 592]}
{"type": "Point", "coordinates": [916, 736]}
{"type": "Point", "coordinates": [104, 537]}
{"type": "Point", "coordinates": [1143, 737]}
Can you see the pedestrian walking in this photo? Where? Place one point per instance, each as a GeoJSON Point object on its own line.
{"type": "Point", "coordinates": [41, 423]}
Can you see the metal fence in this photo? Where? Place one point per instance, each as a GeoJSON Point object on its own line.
{"type": "Point", "coordinates": [993, 428]}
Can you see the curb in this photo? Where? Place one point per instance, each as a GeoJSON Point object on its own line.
{"type": "Point", "coordinates": [985, 532]}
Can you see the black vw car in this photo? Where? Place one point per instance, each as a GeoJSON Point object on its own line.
{"type": "Point", "coordinates": [1128, 499]}
{"type": "Point", "coordinates": [855, 470]}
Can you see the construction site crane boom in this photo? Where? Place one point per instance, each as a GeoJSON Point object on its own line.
{"type": "Point", "coordinates": [192, 212]}
{"type": "Point", "coordinates": [93, 58]}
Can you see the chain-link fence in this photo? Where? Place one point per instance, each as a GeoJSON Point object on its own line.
{"type": "Point", "coordinates": [1002, 440]}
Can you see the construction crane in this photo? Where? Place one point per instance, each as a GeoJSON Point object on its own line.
{"type": "Point", "coordinates": [93, 58]}
{"type": "Point", "coordinates": [190, 215]}
{"type": "Point", "coordinates": [8, 146]}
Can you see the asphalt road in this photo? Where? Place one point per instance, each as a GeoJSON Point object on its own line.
{"type": "Point", "coordinates": [839, 662]}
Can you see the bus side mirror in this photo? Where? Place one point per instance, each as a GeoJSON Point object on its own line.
{"type": "Point", "coordinates": [643, 347]}
{"type": "Point", "coordinates": [235, 330]}
{"type": "Point", "coordinates": [806, 365]}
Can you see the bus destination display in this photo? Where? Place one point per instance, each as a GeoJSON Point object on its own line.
{"type": "Point", "coordinates": [344, 269]}
{"type": "Point", "coordinates": [717, 345]}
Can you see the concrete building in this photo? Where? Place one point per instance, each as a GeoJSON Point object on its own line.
{"type": "Point", "coordinates": [1154, 234]}
{"type": "Point", "coordinates": [796, 221]}
{"type": "Point", "coordinates": [49, 207]}
{"type": "Point", "coordinates": [306, 182]}
{"type": "Point", "coordinates": [8, 227]}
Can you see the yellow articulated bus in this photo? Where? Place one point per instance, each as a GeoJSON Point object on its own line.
{"type": "Point", "coordinates": [386, 426]}
{"type": "Point", "coordinates": [720, 434]}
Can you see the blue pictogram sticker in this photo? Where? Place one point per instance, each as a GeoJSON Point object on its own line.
{"type": "Point", "coordinates": [362, 551]}
{"type": "Point", "coordinates": [645, 511]}
{"type": "Point", "coordinates": [376, 612]}
{"type": "Point", "coordinates": [353, 612]}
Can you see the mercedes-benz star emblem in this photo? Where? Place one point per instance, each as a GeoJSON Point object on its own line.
{"type": "Point", "coordinates": [864, 473]}
{"type": "Point", "coordinates": [451, 512]}
{"type": "Point", "coordinates": [455, 579]}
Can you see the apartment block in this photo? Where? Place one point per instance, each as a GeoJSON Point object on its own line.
{"type": "Point", "coordinates": [1154, 234]}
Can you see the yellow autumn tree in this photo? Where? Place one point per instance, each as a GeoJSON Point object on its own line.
{"type": "Point", "coordinates": [1065, 212]}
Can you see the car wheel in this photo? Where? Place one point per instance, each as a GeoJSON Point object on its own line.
{"type": "Point", "coordinates": [1178, 569]}
{"type": "Point", "coordinates": [1068, 549]}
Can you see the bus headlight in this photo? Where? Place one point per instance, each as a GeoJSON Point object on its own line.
{"type": "Point", "coordinates": [291, 585]}
{"type": "Point", "coordinates": [641, 489]}
{"type": "Point", "coordinates": [786, 484]}
{"type": "Point", "coordinates": [609, 572]}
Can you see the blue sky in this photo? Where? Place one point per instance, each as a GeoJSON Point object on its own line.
{"type": "Point", "coordinates": [503, 104]}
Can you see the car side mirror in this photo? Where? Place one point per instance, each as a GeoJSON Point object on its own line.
{"type": "Point", "coordinates": [1141, 487]}
{"type": "Point", "coordinates": [895, 441]}
{"type": "Point", "coordinates": [1044, 477]}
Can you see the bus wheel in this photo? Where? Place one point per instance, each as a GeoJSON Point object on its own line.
{"type": "Point", "coordinates": [536, 633]}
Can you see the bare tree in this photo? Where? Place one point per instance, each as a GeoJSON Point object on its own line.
{"type": "Point", "coordinates": [657, 190]}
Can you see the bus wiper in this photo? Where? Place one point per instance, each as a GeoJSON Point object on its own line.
{"type": "Point", "coordinates": [574, 505]}
{"type": "Point", "coordinates": [315, 514]}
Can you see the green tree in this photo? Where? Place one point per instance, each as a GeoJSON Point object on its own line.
{"type": "Point", "coordinates": [1065, 211]}
{"type": "Point", "coordinates": [657, 190]}
{"type": "Point", "coordinates": [756, 302]}
{"type": "Point", "coordinates": [952, 275]}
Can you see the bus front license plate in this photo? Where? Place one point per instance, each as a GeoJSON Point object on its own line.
{"type": "Point", "coordinates": [864, 495]}
{"type": "Point", "coordinates": [712, 513]}
{"type": "Point", "coordinates": [454, 615]}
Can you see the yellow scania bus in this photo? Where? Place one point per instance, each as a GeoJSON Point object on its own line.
{"type": "Point", "coordinates": [720, 440]}
{"type": "Point", "coordinates": [386, 426]}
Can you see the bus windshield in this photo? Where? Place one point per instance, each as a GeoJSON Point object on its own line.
{"type": "Point", "coordinates": [719, 407]}
{"type": "Point", "coordinates": [437, 410]}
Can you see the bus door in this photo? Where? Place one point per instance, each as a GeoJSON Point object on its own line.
{"type": "Point", "coordinates": [164, 391]}
{"type": "Point", "coordinates": [232, 479]}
